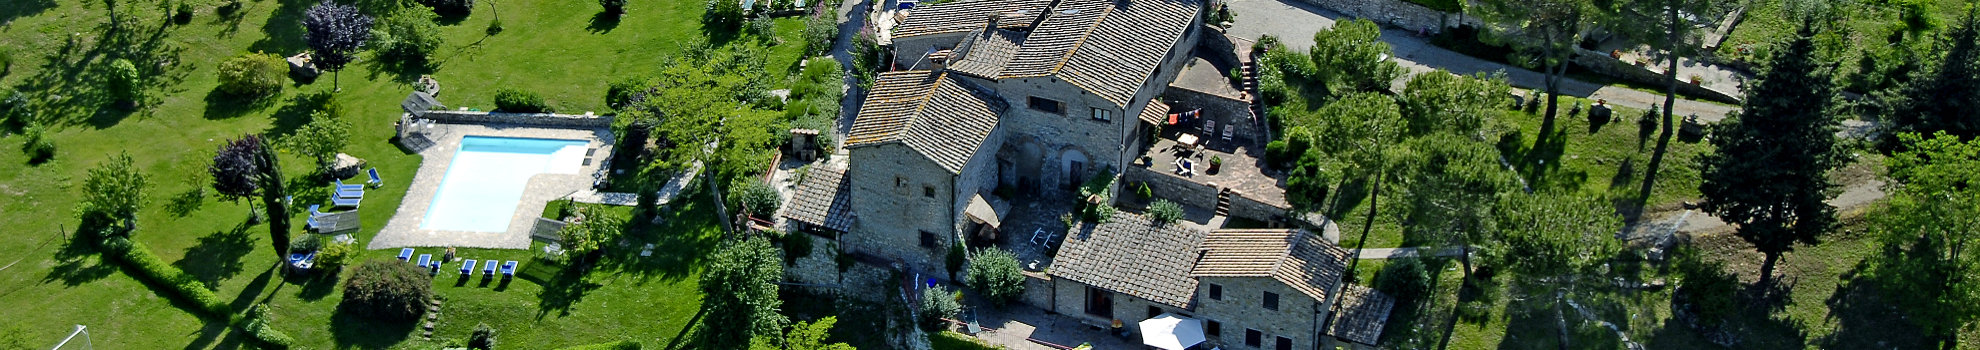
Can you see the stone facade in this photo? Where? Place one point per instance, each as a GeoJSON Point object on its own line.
{"type": "Point", "coordinates": [910, 53]}
{"type": "Point", "coordinates": [1224, 111]}
{"type": "Point", "coordinates": [1174, 189]}
{"type": "Point", "coordinates": [899, 196]}
{"type": "Point", "coordinates": [1070, 299]}
{"type": "Point", "coordinates": [1241, 308]}
{"type": "Point", "coordinates": [821, 267]}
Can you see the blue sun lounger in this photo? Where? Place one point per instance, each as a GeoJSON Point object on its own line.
{"type": "Point", "coordinates": [467, 267]}
{"type": "Point", "coordinates": [489, 270]}
{"type": "Point", "coordinates": [509, 269]}
{"type": "Point", "coordinates": [314, 210]}
{"type": "Point", "coordinates": [425, 259]}
{"type": "Point", "coordinates": [346, 202]}
{"type": "Point", "coordinates": [375, 180]}
{"type": "Point", "coordinates": [357, 193]}
{"type": "Point", "coordinates": [342, 187]}
{"type": "Point", "coordinates": [405, 254]}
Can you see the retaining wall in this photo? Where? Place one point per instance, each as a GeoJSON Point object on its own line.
{"type": "Point", "coordinates": [1394, 13]}
{"type": "Point", "coordinates": [1601, 63]}
{"type": "Point", "coordinates": [535, 119]}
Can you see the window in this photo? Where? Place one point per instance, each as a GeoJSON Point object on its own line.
{"type": "Point", "coordinates": [1099, 302]}
{"type": "Point", "coordinates": [928, 191]}
{"type": "Point", "coordinates": [1271, 301]}
{"type": "Point", "coordinates": [1154, 311]}
{"type": "Point", "coordinates": [1103, 115]}
{"type": "Point", "coordinates": [1283, 344]}
{"type": "Point", "coordinates": [1253, 338]}
{"type": "Point", "coordinates": [927, 239]}
{"type": "Point", "coordinates": [1216, 291]}
{"type": "Point", "coordinates": [1047, 105]}
{"type": "Point", "coordinates": [1213, 328]}
{"type": "Point", "coordinates": [900, 182]}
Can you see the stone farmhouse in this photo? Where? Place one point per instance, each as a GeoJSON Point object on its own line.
{"type": "Point", "coordinates": [1036, 98]}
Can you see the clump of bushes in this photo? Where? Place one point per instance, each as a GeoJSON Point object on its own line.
{"type": "Point", "coordinates": [1405, 279]}
{"type": "Point", "coordinates": [755, 197]}
{"type": "Point", "coordinates": [483, 337]}
{"type": "Point", "coordinates": [451, 7]}
{"type": "Point", "coordinates": [388, 289]}
{"type": "Point", "coordinates": [996, 274]}
{"type": "Point", "coordinates": [334, 255]}
{"type": "Point", "coordinates": [518, 101]}
{"type": "Point", "coordinates": [407, 35]}
{"type": "Point", "coordinates": [121, 79]}
{"type": "Point", "coordinates": [253, 75]}
{"type": "Point", "coordinates": [722, 14]}
{"type": "Point", "coordinates": [39, 148]}
{"type": "Point", "coordinates": [936, 305]}
{"type": "Point", "coordinates": [255, 324]}
{"type": "Point", "coordinates": [614, 7]}
{"type": "Point", "coordinates": [626, 92]}
{"type": "Point", "coordinates": [819, 31]}
{"type": "Point", "coordinates": [176, 282]}
{"type": "Point", "coordinates": [1164, 211]}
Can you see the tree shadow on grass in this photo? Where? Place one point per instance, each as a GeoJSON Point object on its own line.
{"type": "Point", "coordinates": [222, 105]}
{"type": "Point", "coordinates": [228, 337]}
{"type": "Point", "coordinates": [403, 70]}
{"type": "Point", "coordinates": [604, 22]}
{"type": "Point", "coordinates": [567, 288]}
{"type": "Point", "coordinates": [298, 112]}
{"type": "Point", "coordinates": [283, 33]}
{"type": "Point", "coordinates": [318, 285]}
{"type": "Point", "coordinates": [252, 290]}
{"type": "Point", "coordinates": [185, 203]}
{"type": "Point", "coordinates": [352, 331]}
{"type": "Point", "coordinates": [1866, 315]}
{"type": "Point", "coordinates": [218, 255]}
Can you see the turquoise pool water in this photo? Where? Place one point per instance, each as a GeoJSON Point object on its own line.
{"type": "Point", "coordinates": [484, 183]}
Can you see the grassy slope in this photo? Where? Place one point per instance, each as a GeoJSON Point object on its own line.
{"type": "Point", "coordinates": [552, 47]}
{"type": "Point", "coordinates": [1769, 21]}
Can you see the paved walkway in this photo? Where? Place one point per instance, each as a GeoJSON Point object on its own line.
{"type": "Point", "coordinates": [1295, 23]}
{"type": "Point", "coordinates": [1409, 252]}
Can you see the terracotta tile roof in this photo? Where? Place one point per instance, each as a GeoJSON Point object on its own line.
{"type": "Point", "coordinates": [985, 52]}
{"type": "Point", "coordinates": [961, 16]}
{"type": "Point", "coordinates": [1108, 47]}
{"type": "Point", "coordinates": [823, 199]}
{"type": "Point", "coordinates": [1301, 260]}
{"type": "Point", "coordinates": [1156, 112]}
{"type": "Point", "coordinates": [1360, 315]}
{"type": "Point", "coordinates": [943, 119]}
{"type": "Point", "coordinates": [1131, 255]}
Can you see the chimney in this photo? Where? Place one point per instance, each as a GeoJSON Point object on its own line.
{"type": "Point", "coordinates": [993, 20]}
{"type": "Point", "coordinates": [1047, 12]}
{"type": "Point", "coordinates": [940, 59]}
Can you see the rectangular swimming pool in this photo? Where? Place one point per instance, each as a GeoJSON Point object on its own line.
{"type": "Point", "coordinates": [484, 183]}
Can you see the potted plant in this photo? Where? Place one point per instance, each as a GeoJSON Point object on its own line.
{"type": "Point", "coordinates": [1216, 162]}
{"type": "Point", "coordinates": [1696, 79]}
{"type": "Point", "coordinates": [1616, 54]}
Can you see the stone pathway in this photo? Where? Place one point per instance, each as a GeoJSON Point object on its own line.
{"type": "Point", "coordinates": [1295, 23]}
{"type": "Point", "coordinates": [1408, 252]}
{"type": "Point", "coordinates": [667, 192]}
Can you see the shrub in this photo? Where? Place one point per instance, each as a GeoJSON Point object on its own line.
{"type": "Point", "coordinates": [256, 325]}
{"type": "Point", "coordinates": [256, 74]}
{"type": "Point", "coordinates": [1164, 211]}
{"type": "Point", "coordinates": [996, 274]}
{"type": "Point", "coordinates": [796, 245]}
{"type": "Point", "coordinates": [763, 27]}
{"type": "Point", "coordinates": [39, 147]}
{"type": "Point", "coordinates": [6, 61]}
{"type": "Point", "coordinates": [183, 14]}
{"type": "Point", "coordinates": [591, 233]}
{"type": "Point", "coordinates": [626, 92]}
{"type": "Point", "coordinates": [618, 345]}
{"type": "Point", "coordinates": [388, 289]}
{"type": "Point", "coordinates": [955, 260]}
{"type": "Point", "coordinates": [613, 6]}
{"type": "Point", "coordinates": [407, 35]}
{"type": "Point", "coordinates": [819, 31]}
{"type": "Point", "coordinates": [335, 255]}
{"type": "Point", "coordinates": [121, 79]}
{"type": "Point", "coordinates": [518, 101]}
{"type": "Point", "coordinates": [1404, 279]}
{"type": "Point", "coordinates": [175, 282]}
{"type": "Point", "coordinates": [755, 197]}
{"type": "Point", "coordinates": [936, 305]}
{"type": "Point", "coordinates": [451, 7]}
{"type": "Point", "coordinates": [722, 14]}
{"type": "Point", "coordinates": [483, 337]}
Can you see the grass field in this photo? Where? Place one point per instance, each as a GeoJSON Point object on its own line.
{"type": "Point", "coordinates": [559, 49]}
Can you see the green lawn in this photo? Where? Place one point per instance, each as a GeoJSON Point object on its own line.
{"type": "Point", "coordinates": [1868, 24]}
{"type": "Point", "coordinates": [558, 49]}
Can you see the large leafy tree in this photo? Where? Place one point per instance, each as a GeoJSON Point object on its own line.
{"type": "Point", "coordinates": [407, 35]}
{"type": "Point", "coordinates": [112, 195]}
{"type": "Point", "coordinates": [1352, 57]}
{"type": "Point", "coordinates": [702, 102]}
{"type": "Point", "coordinates": [1930, 229]}
{"type": "Point", "coordinates": [320, 139]}
{"type": "Point", "coordinates": [1771, 167]}
{"type": "Point", "coordinates": [739, 296]}
{"type": "Point", "coordinates": [996, 274]}
{"type": "Point", "coordinates": [1553, 239]}
{"type": "Point", "coordinates": [236, 171]}
{"type": "Point", "coordinates": [1944, 95]}
{"type": "Point", "coordinates": [335, 33]}
{"type": "Point", "coordinates": [1452, 184]}
{"type": "Point", "coordinates": [1356, 136]}
{"type": "Point", "coordinates": [1443, 102]}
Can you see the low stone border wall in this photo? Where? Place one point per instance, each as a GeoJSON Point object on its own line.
{"type": "Point", "coordinates": [535, 119]}
{"type": "Point", "coordinates": [1603, 64]}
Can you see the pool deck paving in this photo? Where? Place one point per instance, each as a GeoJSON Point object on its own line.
{"type": "Point", "coordinates": [403, 230]}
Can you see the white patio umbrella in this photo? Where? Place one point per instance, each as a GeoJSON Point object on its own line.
{"type": "Point", "coordinates": [1171, 332]}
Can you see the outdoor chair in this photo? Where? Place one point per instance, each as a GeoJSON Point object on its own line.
{"type": "Point", "coordinates": [315, 210]}
{"type": "Point", "coordinates": [342, 187]}
{"type": "Point", "coordinates": [378, 182]}
{"type": "Point", "coordinates": [1039, 236]}
{"type": "Point", "coordinates": [467, 267]}
{"type": "Point", "coordinates": [425, 259]}
{"type": "Point", "coordinates": [509, 269]}
{"type": "Point", "coordinates": [405, 254]}
{"type": "Point", "coordinates": [346, 202]}
{"type": "Point", "coordinates": [311, 221]}
{"type": "Point", "coordinates": [488, 270]}
{"type": "Point", "coordinates": [351, 193]}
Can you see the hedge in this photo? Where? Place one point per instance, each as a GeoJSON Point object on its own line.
{"type": "Point", "coordinates": [150, 268]}
{"type": "Point", "coordinates": [256, 326]}
{"type": "Point", "coordinates": [618, 345]}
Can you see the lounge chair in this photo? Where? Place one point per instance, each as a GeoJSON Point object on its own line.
{"type": "Point", "coordinates": [342, 187]}
{"type": "Point", "coordinates": [405, 254]}
{"type": "Point", "coordinates": [375, 180]}
{"type": "Point", "coordinates": [314, 210]}
{"type": "Point", "coordinates": [488, 270]}
{"type": "Point", "coordinates": [346, 202]}
{"type": "Point", "coordinates": [509, 269]}
{"type": "Point", "coordinates": [311, 223]}
{"type": "Point", "coordinates": [425, 259]}
{"type": "Point", "coordinates": [467, 267]}
{"type": "Point", "coordinates": [350, 193]}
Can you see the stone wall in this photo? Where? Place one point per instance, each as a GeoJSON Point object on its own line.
{"type": "Point", "coordinates": [1245, 207]}
{"type": "Point", "coordinates": [1174, 188]}
{"type": "Point", "coordinates": [821, 267]}
{"type": "Point", "coordinates": [1394, 13]}
{"type": "Point", "coordinates": [1601, 63]}
{"type": "Point", "coordinates": [1242, 308]}
{"type": "Point", "coordinates": [1071, 301]}
{"type": "Point", "coordinates": [891, 186]}
{"type": "Point", "coordinates": [1037, 290]}
{"type": "Point", "coordinates": [533, 119]}
{"type": "Point", "coordinates": [910, 52]}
